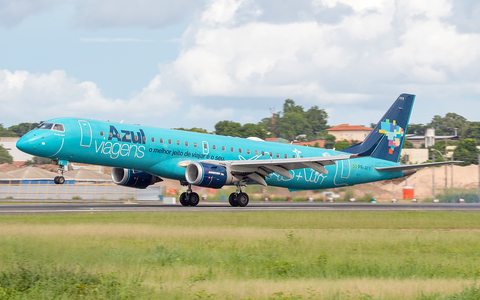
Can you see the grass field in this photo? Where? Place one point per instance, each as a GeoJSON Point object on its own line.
{"type": "Point", "coordinates": [297, 255]}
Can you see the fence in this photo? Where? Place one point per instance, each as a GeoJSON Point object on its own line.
{"type": "Point", "coordinates": [74, 191]}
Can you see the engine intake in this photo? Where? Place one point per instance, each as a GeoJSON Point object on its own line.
{"type": "Point", "coordinates": [133, 178]}
{"type": "Point", "coordinates": [207, 175]}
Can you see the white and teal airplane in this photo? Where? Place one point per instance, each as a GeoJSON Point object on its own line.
{"type": "Point", "coordinates": [141, 156]}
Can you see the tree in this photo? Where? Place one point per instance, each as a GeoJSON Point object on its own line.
{"type": "Point", "coordinates": [447, 124]}
{"type": "Point", "coordinates": [194, 129]}
{"type": "Point", "coordinates": [341, 145]}
{"type": "Point", "coordinates": [467, 152]}
{"type": "Point", "coordinates": [418, 129]}
{"type": "Point", "coordinates": [329, 141]}
{"type": "Point", "coordinates": [290, 106]}
{"type": "Point", "coordinates": [5, 157]}
{"type": "Point", "coordinates": [291, 125]}
{"type": "Point", "coordinates": [228, 128]}
{"type": "Point", "coordinates": [4, 132]}
{"type": "Point", "coordinates": [252, 130]}
{"type": "Point", "coordinates": [472, 131]}
{"type": "Point", "coordinates": [407, 144]}
{"type": "Point", "coordinates": [317, 119]}
{"type": "Point", "coordinates": [22, 128]}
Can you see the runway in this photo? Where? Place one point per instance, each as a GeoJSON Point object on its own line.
{"type": "Point", "coordinates": [222, 207]}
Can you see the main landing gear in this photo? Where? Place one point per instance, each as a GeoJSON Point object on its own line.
{"type": "Point", "coordinates": [189, 198]}
{"type": "Point", "coordinates": [60, 179]}
{"type": "Point", "coordinates": [238, 198]}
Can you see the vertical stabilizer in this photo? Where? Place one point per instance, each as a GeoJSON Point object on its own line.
{"type": "Point", "coordinates": [385, 141]}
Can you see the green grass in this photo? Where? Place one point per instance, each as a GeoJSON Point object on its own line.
{"type": "Point", "coordinates": [299, 255]}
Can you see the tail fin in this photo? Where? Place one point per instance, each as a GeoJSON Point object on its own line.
{"type": "Point", "coordinates": [385, 141]}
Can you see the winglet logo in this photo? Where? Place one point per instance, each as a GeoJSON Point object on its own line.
{"type": "Point", "coordinates": [393, 132]}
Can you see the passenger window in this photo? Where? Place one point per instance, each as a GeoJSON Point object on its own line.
{"type": "Point", "coordinates": [145, 139]}
{"type": "Point", "coordinates": [286, 156]}
{"type": "Point", "coordinates": [178, 143]}
{"type": "Point", "coordinates": [170, 142]}
{"type": "Point", "coordinates": [127, 136]}
{"type": "Point", "coordinates": [271, 154]}
{"type": "Point", "coordinates": [256, 152]}
{"type": "Point", "coordinates": [119, 136]}
{"type": "Point", "coordinates": [278, 155]}
{"type": "Point", "coordinates": [186, 144]}
{"type": "Point", "coordinates": [101, 133]}
{"type": "Point", "coordinates": [135, 137]}
{"type": "Point", "coordinates": [231, 149]}
{"type": "Point", "coordinates": [263, 153]}
{"type": "Point", "coordinates": [240, 150]}
{"type": "Point", "coordinates": [110, 135]}
{"type": "Point", "coordinates": [195, 145]}
{"type": "Point", "coordinates": [205, 146]}
{"type": "Point", "coordinates": [153, 139]}
{"type": "Point", "coordinates": [293, 156]}
{"type": "Point", "coordinates": [58, 127]}
{"type": "Point", "coordinates": [223, 148]}
{"type": "Point", "coordinates": [248, 151]}
{"type": "Point", "coordinates": [214, 147]}
{"type": "Point", "coordinates": [161, 141]}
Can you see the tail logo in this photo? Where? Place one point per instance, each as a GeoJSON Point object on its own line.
{"type": "Point", "coordinates": [393, 132]}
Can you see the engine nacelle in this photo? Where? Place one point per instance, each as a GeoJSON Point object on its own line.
{"type": "Point", "coordinates": [133, 178]}
{"type": "Point", "coordinates": [208, 175]}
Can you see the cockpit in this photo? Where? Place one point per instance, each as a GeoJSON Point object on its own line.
{"type": "Point", "coordinates": [52, 126]}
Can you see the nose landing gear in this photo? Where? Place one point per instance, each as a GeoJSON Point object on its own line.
{"type": "Point", "coordinates": [61, 168]}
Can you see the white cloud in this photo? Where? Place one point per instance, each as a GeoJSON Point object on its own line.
{"type": "Point", "coordinates": [43, 96]}
{"type": "Point", "coordinates": [13, 12]}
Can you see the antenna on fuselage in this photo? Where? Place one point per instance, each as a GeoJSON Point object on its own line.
{"type": "Point", "coordinates": [121, 121]}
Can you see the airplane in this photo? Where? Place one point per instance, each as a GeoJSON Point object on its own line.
{"type": "Point", "coordinates": [141, 156]}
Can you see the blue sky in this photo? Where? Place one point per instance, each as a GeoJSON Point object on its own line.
{"type": "Point", "coordinates": [193, 63]}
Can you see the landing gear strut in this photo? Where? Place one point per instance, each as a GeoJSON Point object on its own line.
{"type": "Point", "coordinates": [60, 179]}
{"type": "Point", "coordinates": [189, 198]}
{"type": "Point", "coordinates": [238, 198]}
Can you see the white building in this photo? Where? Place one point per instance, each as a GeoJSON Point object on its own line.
{"type": "Point", "coordinates": [10, 144]}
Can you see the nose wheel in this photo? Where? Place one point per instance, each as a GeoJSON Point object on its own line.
{"type": "Point", "coordinates": [60, 179]}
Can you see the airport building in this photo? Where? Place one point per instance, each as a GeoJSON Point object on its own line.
{"type": "Point", "coordinates": [349, 132]}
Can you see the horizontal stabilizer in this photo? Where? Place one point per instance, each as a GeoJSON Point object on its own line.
{"type": "Point", "coordinates": [416, 166]}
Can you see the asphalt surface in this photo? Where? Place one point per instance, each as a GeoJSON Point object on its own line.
{"type": "Point", "coordinates": [221, 207]}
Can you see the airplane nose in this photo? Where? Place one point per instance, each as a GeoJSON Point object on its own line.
{"type": "Point", "coordinates": [22, 144]}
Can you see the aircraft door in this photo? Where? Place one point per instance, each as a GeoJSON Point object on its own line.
{"type": "Point", "coordinates": [205, 147]}
{"type": "Point", "coordinates": [85, 133]}
{"type": "Point", "coordinates": [345, 169]}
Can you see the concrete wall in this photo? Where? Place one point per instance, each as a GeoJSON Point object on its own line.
{"type": "Point", "coordinates": [415, 155]}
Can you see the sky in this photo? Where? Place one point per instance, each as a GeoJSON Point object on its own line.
{"type": "Point", "coordinates": [193, 63]}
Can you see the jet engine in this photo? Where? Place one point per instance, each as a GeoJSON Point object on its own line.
{"type": "Point", "coordinates": [208, 175]}
{"type": "Point", "coordinates": [133, 178]}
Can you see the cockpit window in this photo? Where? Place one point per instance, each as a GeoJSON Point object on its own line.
{"type": "Point", "coordinates": [47, 126]}
{"type": "Point", "coordinates": [58, 127]}
{"type": "Point", "coordinates": [52, 126]}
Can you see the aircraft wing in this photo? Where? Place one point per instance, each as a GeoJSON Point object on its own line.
{"type": "Point", "coordinates": [258, 170]}
{"type": "Point", "coordinates": [416, 166]}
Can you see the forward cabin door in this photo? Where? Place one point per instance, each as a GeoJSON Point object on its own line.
{"type": "Point", "coordinates": [85, 133]}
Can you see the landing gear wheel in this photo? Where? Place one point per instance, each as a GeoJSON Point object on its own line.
{"type": "Point", "coordinates": [232, 199]}
{"type": "Point", "coordinates": [59, 180]}
{"type": "Point", "coordinates": [183, 199]}
{"type": "Point", "coordinates": [242, 199]}
{"type": "Point", "coordinates": [193, 199]}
